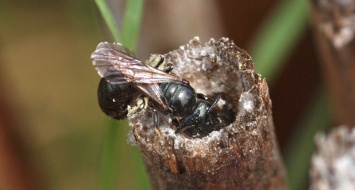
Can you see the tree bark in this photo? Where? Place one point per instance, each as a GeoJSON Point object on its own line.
{"type": "Point", "coordinates": [333, 165]}
{"type": "Point", "coordinates": [334, 28]}
{"type": "Point", "coordinates": [243, 155]}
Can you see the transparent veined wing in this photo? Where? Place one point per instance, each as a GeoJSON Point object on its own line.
{"type": "Point", "coordinates": [118, 65]}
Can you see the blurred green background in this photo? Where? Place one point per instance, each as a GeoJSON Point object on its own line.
{"type": "Point", "coordinates": [52, 132]}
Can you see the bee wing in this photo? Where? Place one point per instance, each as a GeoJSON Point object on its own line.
{"type": "Point", "coordinates": [118, 65]}
{"type": "Point", "coordinates": [154, 93]}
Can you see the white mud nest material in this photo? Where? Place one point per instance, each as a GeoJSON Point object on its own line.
{"type": "Point", "coordinates": [241, 155]}
{"type": "Point", "coordinates": [333, 165]}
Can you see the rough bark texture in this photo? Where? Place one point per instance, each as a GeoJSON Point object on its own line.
{"type": "Point", "coordinates": [334, 27]}
{"type": "Point", "coordinates": [333, 165]}
{"type": "Point", "coordinates": [243, 155]}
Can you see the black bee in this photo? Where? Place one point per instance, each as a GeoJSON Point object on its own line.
{"type": "Point", "coordinates": [125, 77]}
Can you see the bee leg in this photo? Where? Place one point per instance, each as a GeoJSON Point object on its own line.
{"type": "Point", "coordinates": [155, 118]}
{"type": "Point", "coordinates": [175, 122]}
{"type": "Point", "coordinates": [192, 117]}
{"type": "Point", "coordinates": [145, 102]}
{"type": "Point", "coordinates": [141, 103]}
{"type": "Point", "coordinates": [171, 159]}
{"type": "Point", "coordinates": [156, 123]}
{"type": "Point", "coordinates": [182, 129]}
{"type": "Point", "coordinates": [185, 82]}
{"type": "Point", "coordinates": [169, 67]}
{"type": "Point", "coordinates": [214, 103]}
{"type": "Point", "coordinates": [203, 97]}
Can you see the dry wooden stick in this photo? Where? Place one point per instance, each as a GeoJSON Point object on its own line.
{"type": "Point", "coordinates": [334, 28]}
{"type": "Point", "coordinates": [333, 165]}
{"type": "Point", "coordinates": [243, 155]}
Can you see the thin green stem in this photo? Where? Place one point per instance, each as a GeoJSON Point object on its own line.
{"type": "Point", "coordinates": [111, 148]}
{"type": "Point", "coordinates": [301, 145]}
{"type": "Point", "coordinates": [278, 36]}
{"type": "Point", "coordinates": [132, 23]}
{"type": "Point", "coordinates": [108, 18]}
{"type": "Point", "coordinates": [276, 39]}
{"type": "Point", "coordinates": [110, 156]}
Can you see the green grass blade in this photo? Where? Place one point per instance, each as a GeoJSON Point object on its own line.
{"type": "Point", "coordinates": [108, 18]}
{"type": "Point", "coordinates": [130, 35]}
{"type": "Point", "coordinates": [132, 23]}
{"type": "Point", "coordinates": [301, 145]}
{"type": "Point", "coordinates": [110, 156]}
{"type": "Point", "coordinates": [278, 36]}
{"type": "Point", "coordinates": [276, 39]}
{"type": "Point", "coordinates": [111, 159]}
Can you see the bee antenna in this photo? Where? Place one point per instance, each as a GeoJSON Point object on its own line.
{"type": "Point", "coordinates": [182, 129]}
{"type": "Point", "coordinates": [214, 103]}
{"type": "Point", "coordinates": [185, 82]}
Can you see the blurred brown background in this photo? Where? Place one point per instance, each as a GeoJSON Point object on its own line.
{"type": "Point", "coordinates": [50, 124]}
